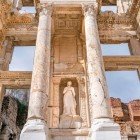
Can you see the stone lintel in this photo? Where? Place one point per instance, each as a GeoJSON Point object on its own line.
{"type": "Point", "coordinates": [121, 62]}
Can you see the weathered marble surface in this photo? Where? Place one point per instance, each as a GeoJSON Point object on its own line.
{"type": "Point", "coordinates": [99, 106]}
{"type": "Point", "coordinates": [40, 85]}
{"type": "Point", "coordinates": [41, 69]}
{"type": "Point", "coordinates": [70, 122]}
{"type": "Point", "coordinates": [97, 88]}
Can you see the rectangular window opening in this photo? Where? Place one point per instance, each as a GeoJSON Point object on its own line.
{"type": "Point", "coordinates": [124, 85]}
{"type": "Point", "coordinates": [28, 9]}
{"type": "Point", "coordinates": [22, 59]}
{"type": "Point", "coordinates": [109, 8]}
{"type": "Point", "coordinates": [115, 49]}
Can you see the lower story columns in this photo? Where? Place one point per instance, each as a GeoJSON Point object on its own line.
{"type": "Point", "coordinates": [36, 127]}
{"type": "Point", "coordinates": [102, 124]}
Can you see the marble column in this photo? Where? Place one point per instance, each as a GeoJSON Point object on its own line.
{"type": "Point", "coordinates": [102, 124]}
{"type": "Point", "coordinates": [40, 84]}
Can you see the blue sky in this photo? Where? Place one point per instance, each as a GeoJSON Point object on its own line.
{"type": "Point", "coordinates": [30, 9]}
{"type": "Point", "coordinates": [121, 84]}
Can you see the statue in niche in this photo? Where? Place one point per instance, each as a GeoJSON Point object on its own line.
{"type": "Point", "coordinates": [69, 118]}
{"type": "Point", "coordinates": [69, 101]}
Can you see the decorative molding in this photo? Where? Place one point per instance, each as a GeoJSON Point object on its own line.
{"type": "Point", "coordinates": [14, 75]}
{"type": "Point", "coordinates": [67, 22]}
{"type": "Point", "coordinates": [109, 20]}
{"type": "Point", "coordinates": [121, 62]}
{"type": "Point", "coordinates": [21, 19]}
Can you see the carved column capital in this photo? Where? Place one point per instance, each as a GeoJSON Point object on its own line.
{"type": "Point", "coordinates": [45, 8]}
{"type": "Point", "coordinates": [90, 9]}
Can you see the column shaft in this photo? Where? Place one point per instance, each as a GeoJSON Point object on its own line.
{"type": "Point", "coordinates": [41, 70]}
{"type": "Point", "coordinates": [97, 88]}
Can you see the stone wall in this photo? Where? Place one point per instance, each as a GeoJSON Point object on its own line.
{"type": "Point", "coordinates": [127, 115]}
{"type": "Point", "coordinates": [9, 117]}
{"type": "Point", "coordinates": [13, 117]}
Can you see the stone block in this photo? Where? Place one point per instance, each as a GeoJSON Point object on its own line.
{"type": "Point", "coordinates": [67, 121]}
{"type": "Point", "coordinates": [116, 108]}
{"type": "Point", "coordinates": [70, 138]}
{"type": "Point", "coordinates": [105, 129]}
{"type": "Point", "coordinates": [134, 110]}
{"type": "Point", "coordinates": [115, 102]}
{"type": "Point", "coordinates": [35, 130]}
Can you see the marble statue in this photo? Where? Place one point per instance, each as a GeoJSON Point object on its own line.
{"type": "Point", "coordinates": [69, 101]}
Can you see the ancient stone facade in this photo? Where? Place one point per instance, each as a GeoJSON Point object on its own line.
{"type": "Point", "coordinates": [67, 35]}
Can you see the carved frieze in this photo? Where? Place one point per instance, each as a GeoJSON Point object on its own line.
{"type": "Point", "coordinates": [21, 19]}
{"type": "Point", "coordinates": [14, 75]}
{"type": "Point", "coordinates": [111, 21]}
{"type": "Point", "coordinates": [67, 22]}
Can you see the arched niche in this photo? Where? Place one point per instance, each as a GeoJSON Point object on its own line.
{"type": "Point", "coordinates": [62, 85]}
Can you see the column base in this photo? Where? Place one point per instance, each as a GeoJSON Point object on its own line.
{"type": "Point", "coordinates": [105, 129]}
{"type": "Point", "coordinates": [35, 130]}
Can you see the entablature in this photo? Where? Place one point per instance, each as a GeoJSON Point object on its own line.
{"type": "Point", "coordinates": [11, 79]}
{"type": "Point", "coordinates": [112, 27]}
{"type": "Point", "coordinates": [112, 63]}
{"type": "Point", "coordinates": [116, 63]}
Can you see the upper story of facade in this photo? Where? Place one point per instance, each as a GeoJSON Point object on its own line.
{"type": "Point", "coordinates": [67, 18]}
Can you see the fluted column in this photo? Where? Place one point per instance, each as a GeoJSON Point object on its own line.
{"type": "Point", "coordinates": [41, 69]}
{"type": "Point", "coordinates": [36, 127]}
{"type": "Point", "coordinates": [99, 105]}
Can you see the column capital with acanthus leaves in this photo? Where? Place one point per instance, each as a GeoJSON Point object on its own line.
{"type": "Point", "coordinates": [45, 8]}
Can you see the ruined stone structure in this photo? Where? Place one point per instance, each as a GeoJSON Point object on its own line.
{"type": "Point", "coordinates": [67, 35]}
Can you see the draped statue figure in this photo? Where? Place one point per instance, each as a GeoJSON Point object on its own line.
{"type": "Point", "coordinates": [69, 101]}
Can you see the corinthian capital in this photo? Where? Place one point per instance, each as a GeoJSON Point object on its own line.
{"type": "Point", "coordinates": [45, 8]}
{"type": "Point", "coordinates": [90, 9]}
